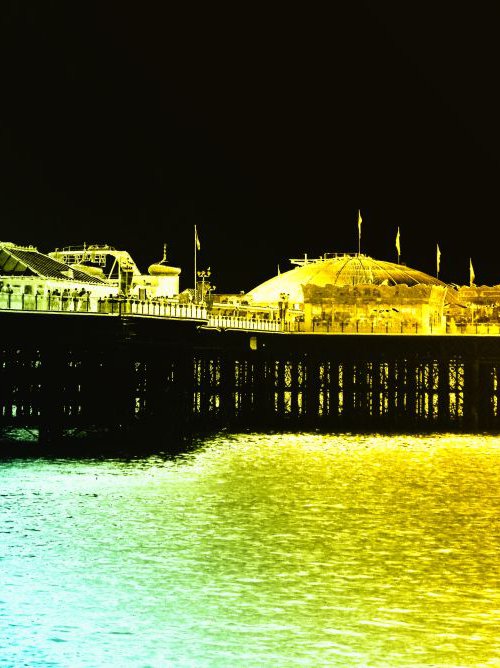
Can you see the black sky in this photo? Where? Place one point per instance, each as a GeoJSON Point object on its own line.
{"type": "Point", "coordinates": [267, 128]}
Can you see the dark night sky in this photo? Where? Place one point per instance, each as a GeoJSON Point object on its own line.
{"type": "Point", "coordinates": [127, 124]}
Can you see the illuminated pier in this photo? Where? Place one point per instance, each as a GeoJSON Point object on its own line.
{"type": "Point", "coordinates": [339, 343]}
{"type": "Point", "coordinates": [138, 376]}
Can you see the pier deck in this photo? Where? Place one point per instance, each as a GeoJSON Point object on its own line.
{"type": "Point", "coordinates": [130, 373]}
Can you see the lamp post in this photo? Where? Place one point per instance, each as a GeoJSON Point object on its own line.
{"type": "Point", "coordinates": [283, 306]}
{"type": "Point", "coordinates": [204, 274]}
{"type": "Point", "coordinates": [210, 288]}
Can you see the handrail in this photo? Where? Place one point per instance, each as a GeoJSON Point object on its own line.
{"type": "Point", "coordinates": [119, 306]}
{"type": "Point", "coordinates": [393, 328]}
{"type": "Point", "coordinates": [172, 310]}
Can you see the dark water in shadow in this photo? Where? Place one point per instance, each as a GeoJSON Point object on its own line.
{"type": "Point", "coordinates": [255, 550]}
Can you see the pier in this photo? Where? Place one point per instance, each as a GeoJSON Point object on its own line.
{"type": "Point", "coordinates": [68, 374]}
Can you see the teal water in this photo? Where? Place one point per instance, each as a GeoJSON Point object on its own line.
{"type": "Point", "coordinates": [256, 551]}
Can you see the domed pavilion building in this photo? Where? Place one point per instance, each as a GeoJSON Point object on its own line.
{"type": "Point", "coordinates": [165, 279]}
{"type": "Point", "coordinates": [354, 292]}
{"type": "Point", "coordinates": [162, 280]}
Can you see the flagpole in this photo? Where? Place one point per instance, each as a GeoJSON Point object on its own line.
{"type": "Point", "coordinates": [195, 249]}
{"type": "Point", "coordinates": [472, 275]}
{"type": "Point", "coordinates": [360, 220]}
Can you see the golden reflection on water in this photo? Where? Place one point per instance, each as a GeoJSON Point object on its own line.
{"type": "Point", "coordinates": [383, 549]}
{"type": "Point", "coordinates": [264, 550]}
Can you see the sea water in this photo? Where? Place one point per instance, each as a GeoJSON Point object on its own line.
{"type": "Point", "coordinates": [255, 550]}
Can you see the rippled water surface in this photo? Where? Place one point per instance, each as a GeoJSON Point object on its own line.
{"type": "Point", "coordinates": [256, 551]}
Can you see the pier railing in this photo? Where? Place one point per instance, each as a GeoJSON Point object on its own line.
{"type": "Point", "coordinates": [117, 306]}
{"type": "Point", "coordinates": [362, 327]}
{"type": "Point", "coordinates": [237, 322]}
{"type": "Point", "coordinates": [170, 309]}
{"type": "Point", "coordinates": [87, 303]}
{"type": "Point", "coordinates": [101, 305]}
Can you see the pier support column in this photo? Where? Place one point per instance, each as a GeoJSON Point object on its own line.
{"type": "Point", "coordinates": [310, 396]}
{"type": "Point", "coordinates": [227, 390]}
{"type": "Point", "coordinates": [264, 387]}
{"type": "Point", "coordinates": [471, 394]}
{"type": "Point", "coordinates": [51, 420]}
{"type": "Point", "coordinates": [444, 392]}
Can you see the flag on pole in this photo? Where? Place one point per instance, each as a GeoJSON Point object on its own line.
{"type": "Point", "coordinates": [438, 258]}
{"type": "Point", "coordinates": [360, 220]}
{"type": "Point", "coordinates": [472, 275]}
{"type": "Point", "coordinates": [398, 244]}
{"type": "Point", "coordinates": [197, 241]}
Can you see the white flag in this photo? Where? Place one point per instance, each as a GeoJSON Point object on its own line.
{"type": "Point", "coordinates": [360, 220]}
{"type": "Point", "coordinates": [196, 239]}
{"type": "Point", "coordinates": [438, 258]}
{"type": "Point", "coordinates": [472, 275]}
{"type": "Point", "coordinates": [398, 244]}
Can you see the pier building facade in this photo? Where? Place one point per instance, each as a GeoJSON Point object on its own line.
{"type": "Point", "coordinates": [340, 292]}
{"type": "Point", "coordinates": [33, 280]}
{"type": "Point", "coordinates": [120, 271]}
